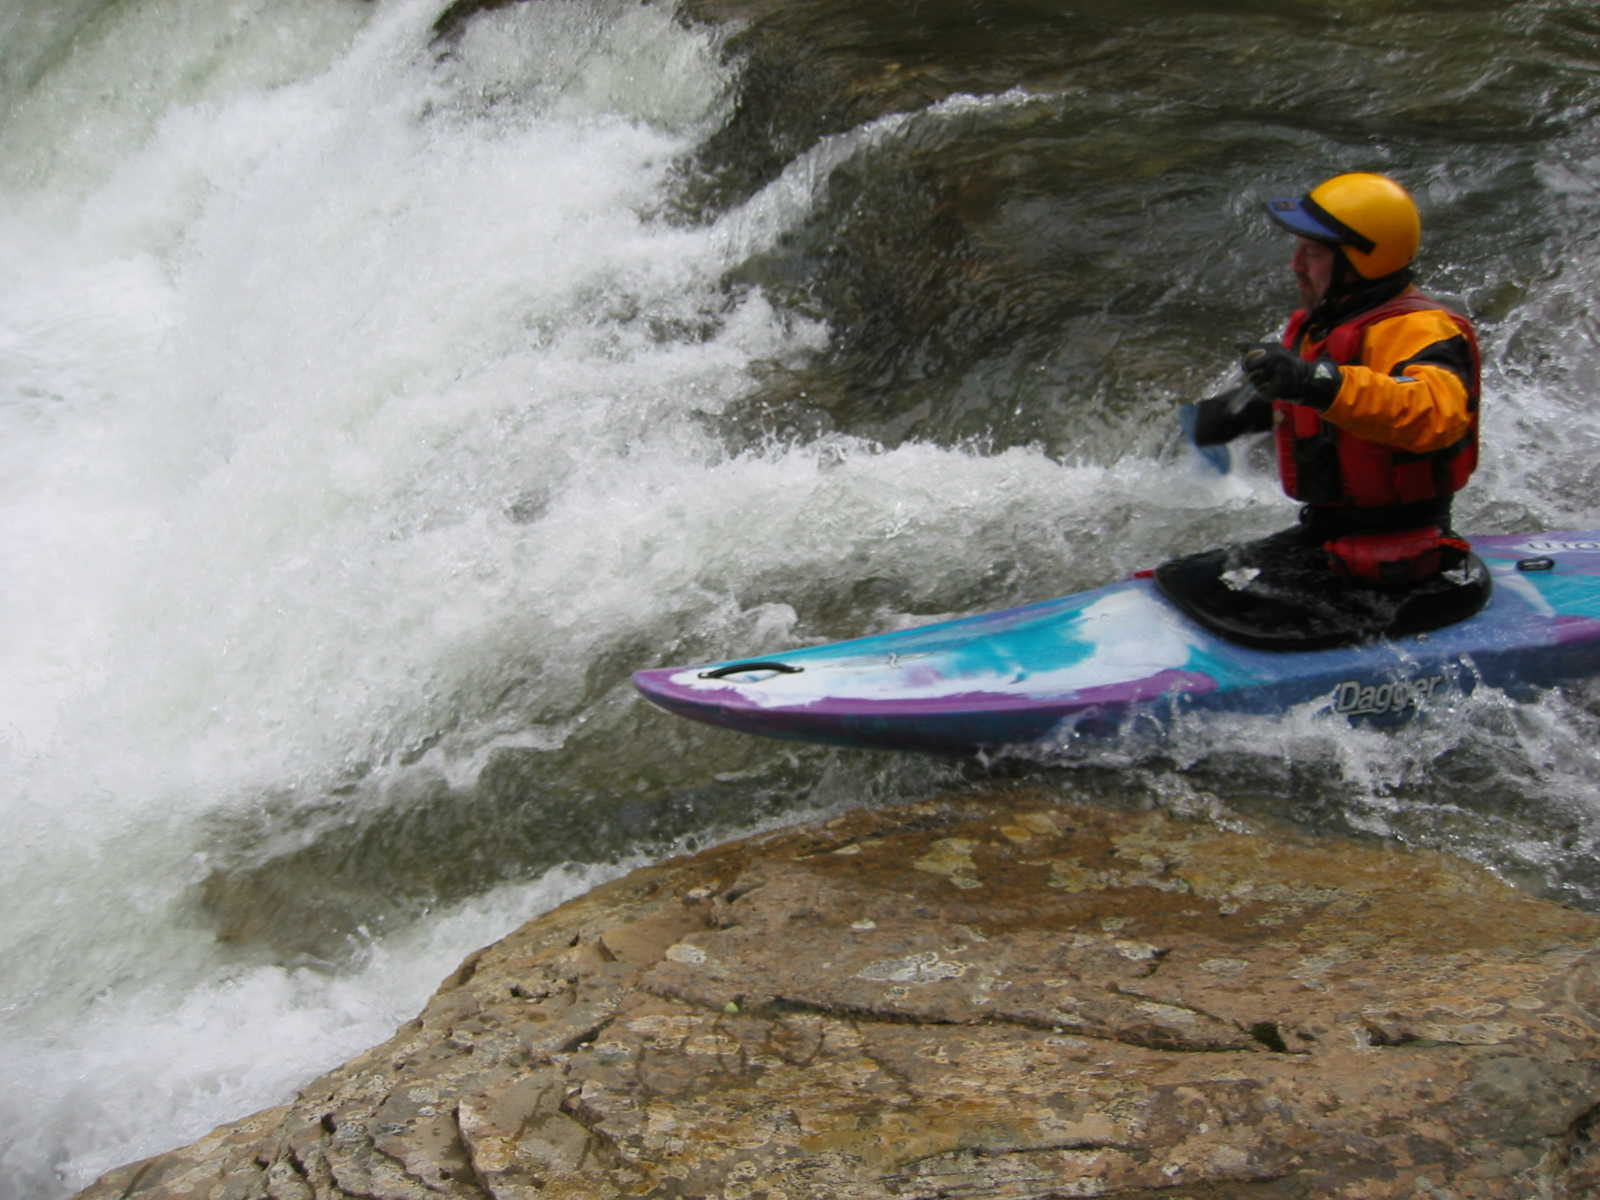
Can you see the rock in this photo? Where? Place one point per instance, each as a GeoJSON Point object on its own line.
{"type": "Point", "coordinates": [975, 998]}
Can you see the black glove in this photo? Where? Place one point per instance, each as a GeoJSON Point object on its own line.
{"type": "Point", "coordinates": [1281, 374]}
{"type": "Point", "coordinates": [1219, 419]}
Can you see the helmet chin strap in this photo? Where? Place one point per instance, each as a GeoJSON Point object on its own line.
{"type": "Point", "coordinates": [1350, 292]}
{"type": "Point", "coordinates": [1346, 279]}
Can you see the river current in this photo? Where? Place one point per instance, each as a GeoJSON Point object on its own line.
{"type": "Point", "coordinates": [377, 391]}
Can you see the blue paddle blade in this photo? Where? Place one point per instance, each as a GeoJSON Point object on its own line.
{"type": "Point", "coordinates": [1216, 457]}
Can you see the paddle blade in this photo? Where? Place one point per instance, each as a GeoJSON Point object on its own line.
{"type": "Point", "coordinates": [1215, 457]}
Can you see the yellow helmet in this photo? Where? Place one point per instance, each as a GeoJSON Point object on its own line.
{"type": "Point", "coordinates": [1370, 217]}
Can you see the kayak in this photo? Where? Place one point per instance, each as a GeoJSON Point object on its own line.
{"type": "Point", "coordinates": [1100, 663]}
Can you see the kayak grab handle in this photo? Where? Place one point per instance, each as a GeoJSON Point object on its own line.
{"type": "Point", "coordinates": [741, 668]}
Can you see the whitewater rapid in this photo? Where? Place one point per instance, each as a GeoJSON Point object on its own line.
{"type": "Point", "coordinates": [358, 397]}
{"type": "Point", "coordinates": [298, 311]}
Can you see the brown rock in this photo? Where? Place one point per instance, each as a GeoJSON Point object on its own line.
{"type": "Point", "coordinates": [970, 999]}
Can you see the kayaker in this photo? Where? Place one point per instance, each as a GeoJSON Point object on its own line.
{"type": "Point", "coordinates": [1372, 395]}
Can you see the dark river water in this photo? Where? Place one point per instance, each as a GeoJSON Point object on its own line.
{"type": "Point", "coordinates": [381, 384]}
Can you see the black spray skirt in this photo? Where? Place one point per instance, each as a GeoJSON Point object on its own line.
{"type": "Point", "coordinates": [1283, 592]}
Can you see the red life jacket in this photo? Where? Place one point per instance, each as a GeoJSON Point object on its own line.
{"type": "Point", "coordinates": [1356, 472]}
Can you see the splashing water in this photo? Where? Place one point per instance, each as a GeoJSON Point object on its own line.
{"type": "Point", "coordinates": [320, 347]}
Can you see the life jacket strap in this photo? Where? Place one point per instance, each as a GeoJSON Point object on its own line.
{"type": "Point", "coordinates": [1393, 560]}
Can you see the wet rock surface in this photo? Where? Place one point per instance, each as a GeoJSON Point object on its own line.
{"type": "Point", "coordinates": [976, 998]}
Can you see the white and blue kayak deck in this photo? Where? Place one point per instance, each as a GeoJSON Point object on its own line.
{"type": "Point", "coordinates": [1088, 664]}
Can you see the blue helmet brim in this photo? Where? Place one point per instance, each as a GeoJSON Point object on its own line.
{"type": "Point", "coordinates": [1291, 214]}
{"type": "Point", "coordinates": [1309, 219]}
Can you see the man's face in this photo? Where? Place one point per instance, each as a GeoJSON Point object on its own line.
{"type": "Point", "coordinates": [1313, 269]}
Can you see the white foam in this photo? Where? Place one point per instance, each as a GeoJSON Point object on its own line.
{"type": "Point", "coordinates": [304, 328]}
